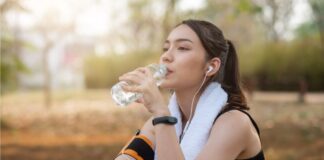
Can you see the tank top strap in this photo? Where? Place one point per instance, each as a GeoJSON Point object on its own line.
{"type": "Point", "coordinates": [250, 117]}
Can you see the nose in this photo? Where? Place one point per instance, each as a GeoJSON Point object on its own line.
{"type": "Point", "coordinates": [166, 57]}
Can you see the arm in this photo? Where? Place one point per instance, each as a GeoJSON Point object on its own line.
{"type": "Point", "coordinates": [167, 144]}
{"type": "Point", "coordinates": [124, 157]}
{"type": "Point", "coordinates": [148, 132]}
{"type": "Point", "coordinates": [164, 136]}
{"type": "Point", "coordinates": [228, 137]}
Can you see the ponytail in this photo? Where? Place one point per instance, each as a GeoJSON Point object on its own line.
{"type": "Point", "coordinates": [231, 80]}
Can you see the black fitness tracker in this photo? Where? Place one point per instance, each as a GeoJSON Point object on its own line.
{"type": "Point", "coordinates": [165, 120]}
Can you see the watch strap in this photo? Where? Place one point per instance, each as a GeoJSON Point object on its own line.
{"type": "Point", "coordinates": [165, 120]}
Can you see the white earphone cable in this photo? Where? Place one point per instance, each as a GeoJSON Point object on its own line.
{"type": "Point", "coordinates": [191, 108]}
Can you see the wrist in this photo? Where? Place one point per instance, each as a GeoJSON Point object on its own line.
{"type": "Point", "coordinates": [161, 113]}
{"type": "Point", "coordinates": [160, 110]}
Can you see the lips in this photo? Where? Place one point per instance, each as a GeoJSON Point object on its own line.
{"type": "Point", "coordinates": [169, 71]}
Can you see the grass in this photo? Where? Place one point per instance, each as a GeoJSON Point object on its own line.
{"type": "Point", "coordinates": [87, 125]}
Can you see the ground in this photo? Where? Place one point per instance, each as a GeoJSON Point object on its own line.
{"type": "Point", "coordinates": [87, 125]}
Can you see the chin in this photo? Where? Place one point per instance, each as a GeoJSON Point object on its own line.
{"type": "Point", "coordinates": [166, 85]}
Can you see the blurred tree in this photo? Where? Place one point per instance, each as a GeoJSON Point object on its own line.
{"type": "Point", "coordinates": [141, 26]}
{"type": "Point", "coordinates": [318, 12]}
{"type": "Point", "coordinates": [145, 18]}
{"type": "Point", "coordinates": [306, 29]}
{"type": "Point", "coordinates": [11, 63]}
{"type": "Point", "coordinates": [287, 65]}
{"type": "Point", "coordinates": [170, 17]}
{"type": "Point", "coordinates": [275, 17]}
{"type": "Point", "coordinates": [52, 32]}
{"type": "Point", "coordinates": [270, 65]}
{"type": "Point", "coordinates": [235, 18]}
{"type": "Point", "coordinates": [147, 26]}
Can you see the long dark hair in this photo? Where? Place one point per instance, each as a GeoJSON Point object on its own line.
{"type": "Point", "coordinates": [216, 45]}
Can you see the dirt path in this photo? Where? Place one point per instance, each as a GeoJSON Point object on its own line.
{"type": "Point", "coordinates": [83, 126]}
{"type": "Point", "coordinates": [25, 145]}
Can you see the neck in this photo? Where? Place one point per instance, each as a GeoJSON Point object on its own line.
{"type": "Point", "coordinates": [185, 98]}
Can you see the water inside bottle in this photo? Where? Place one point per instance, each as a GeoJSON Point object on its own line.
{"type": "Point", "coordinates": [123, 98]}
{"type": "Point", "coordinates": [159, 72]}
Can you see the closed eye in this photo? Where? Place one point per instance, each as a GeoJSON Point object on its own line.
{"type": "Point", "coordinates": [183, 48]}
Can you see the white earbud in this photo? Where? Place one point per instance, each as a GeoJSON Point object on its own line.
{"type": "Point", "coordinates": [210, 68]}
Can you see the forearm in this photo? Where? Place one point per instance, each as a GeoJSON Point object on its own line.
{"type": "Point", "coordinates": [124, 157]}
{"type": "Point", "coordinates": [167, 145]}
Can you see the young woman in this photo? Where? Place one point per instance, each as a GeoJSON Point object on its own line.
{"type": "Point", "coordinates": [206, 116]}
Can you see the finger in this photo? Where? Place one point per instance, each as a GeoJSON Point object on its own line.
{"type": "Point", "coordinates": [140, 69]}
{"type": "Point", "coordinates": [128, 88]}
{"type": "Point", "coordinates": [143, 70]}
{"type": "Point", "coordinates": [147, 72]}
{"type": "Point", "coordinates": [138, 72]}
{"type": "Point", "coordinates": [140, 100]}
{"type": "Point", "coordinates": [132, 78]}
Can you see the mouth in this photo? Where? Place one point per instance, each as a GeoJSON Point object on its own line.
{"type": "Point", "coordinates": [169, 71]}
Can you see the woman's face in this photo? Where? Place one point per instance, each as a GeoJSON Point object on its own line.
{"type": "Point", "coordinates": [185, 58]}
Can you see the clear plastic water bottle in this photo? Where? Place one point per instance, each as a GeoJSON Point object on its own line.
{"type": "Point", "coordinates": [123, 98]}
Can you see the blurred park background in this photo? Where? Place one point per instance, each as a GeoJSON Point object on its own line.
{"type": "Point", "coordinates": [60, 58]}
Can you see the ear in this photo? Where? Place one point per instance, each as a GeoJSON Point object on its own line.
{"type": "Point", "coordinates": [215, 63]}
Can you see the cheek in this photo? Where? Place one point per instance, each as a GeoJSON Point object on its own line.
{"type": "Point", "coordinates": [191, 69]}
{"type": "Point", "coordinates": [192, 73]}
{"type": "Point", "coordinates": [192, 64]}
{"type": "Point", "coordinates": [188, 70]}
{"type": "Point", "coordinates": [184, 78]}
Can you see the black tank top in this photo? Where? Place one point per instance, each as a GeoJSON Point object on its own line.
{"type": "Point", "coordinates": [260, 155]}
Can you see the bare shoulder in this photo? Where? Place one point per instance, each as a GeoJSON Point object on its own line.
{"type": "Point", "coordinates": [229, 136]}
{"type": "Point", "coordinates": [233, 121]}
{"type": "Point", "coordinates": [232, 128]}
{"type": "Point", "coordinates": [233, 115]}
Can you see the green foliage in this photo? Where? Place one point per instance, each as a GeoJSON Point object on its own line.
{"type": "Point", "coordinates": [103, 72]}
{"type": "Point", "coordinates": [11, 64]}
{"type": "Point", "coordinates": [307, 29]}
{"type": "Point", "coordinates": [247, 6]}
{"type": "Point", "coordinates": [273, 65]}
{"type": "Point", "coordinates": [282, 65]}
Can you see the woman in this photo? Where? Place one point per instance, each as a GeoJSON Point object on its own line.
{"type": "Point", "coordinates": [207, 103]}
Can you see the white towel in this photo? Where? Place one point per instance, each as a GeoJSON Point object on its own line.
{"type": "Point", "coordinates": [210, 103]}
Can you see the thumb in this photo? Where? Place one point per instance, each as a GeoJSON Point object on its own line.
{"type": "Point", "coordinates": [140, 100]}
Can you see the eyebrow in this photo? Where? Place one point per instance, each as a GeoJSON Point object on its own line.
{"type": "Point", "coordinates": [179, 40]}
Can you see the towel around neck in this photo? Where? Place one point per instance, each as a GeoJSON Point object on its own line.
{"type": "Point", "coordinates": [210, 103]}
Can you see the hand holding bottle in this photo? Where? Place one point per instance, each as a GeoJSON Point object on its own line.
{"type": "Point", "coordinates": [122, 97]}
{"type": "Point", "coordinates": [145, 84]}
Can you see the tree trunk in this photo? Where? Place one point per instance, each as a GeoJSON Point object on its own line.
{"type": "Point", "coordinates": [47, 77]}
